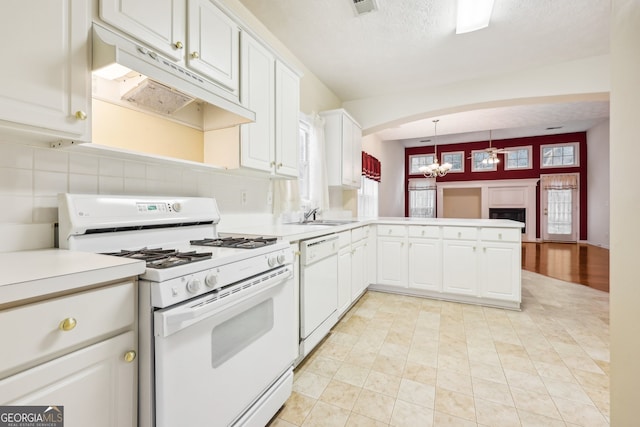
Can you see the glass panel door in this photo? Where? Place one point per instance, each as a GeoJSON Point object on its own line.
{"type": "Point", "coordinates": [422, 203]}
{"type": "Point", "coordinates": [559, 215]}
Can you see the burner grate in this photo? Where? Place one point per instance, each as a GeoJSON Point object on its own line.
{"type": "Point", "coordinates": [236, 242]}
{"type": "Point", "coordinates": [163, 258]}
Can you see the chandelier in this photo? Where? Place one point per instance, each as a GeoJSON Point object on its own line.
{"type": "Point", "coordinates": [435, 169]}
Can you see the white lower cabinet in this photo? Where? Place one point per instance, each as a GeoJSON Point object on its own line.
{"type": "Point", "coordinates": [77, 351]}
{"type": "Point", "coordinates": [96, 385]}
{"type": "Point", "coordinates": [358, 269]}
{"type": "Point", "coordinates": [459, 267]}
{"type": "Point", "coordinates": [344, 278]}
{"type": "Point", "coordinates": [500, 268]}
{"type": "Point", "coordinates": [392, 255]}
{"type": "Point", "coordinates": [425, 267]}
{"type": "Point", "coordinates": [480, 265]}
{"type": "Point", "coordinates": [352, 267]}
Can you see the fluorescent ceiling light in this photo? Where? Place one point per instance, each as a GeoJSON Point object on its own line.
{"type": "Point", "coordinates": [473, 15]}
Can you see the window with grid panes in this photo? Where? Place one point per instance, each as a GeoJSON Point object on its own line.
{"type": "Point", "coordinates": [518, 158]}
{"type": "Point", "coordinates": [559, 155]}
{"type": "Point", "coordinates": [476, 162]}
{"type": "Point", "coordinates": [418, 160]}
{"type": "Point", "coordinates": [456, 159]}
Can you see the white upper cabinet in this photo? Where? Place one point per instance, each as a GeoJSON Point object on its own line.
{"type": "Point", "coordinates": [287, 116]}
{"type": "Point", "coordinates": [213, 42]}
{"type": "Point", "coordinates": [160, 23]}
{"type": "Point", "coordinates": [46, 84]}
{"type": "Point", "coordinates": [196, 32]}
{"type": "Point", "coordinates": [272, 91]}
{"type": "Point", "coordinates": [344, 149]}
{"type": "Point", "coordinates": [257, 145]}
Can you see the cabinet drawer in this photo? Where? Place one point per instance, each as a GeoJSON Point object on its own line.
{"type": "Point", "coordinates": [392, 230]}
{"type": "Point", "coordinates": [462, 233]}
{"type": "Point", "coordinates": [357, 234]}
{"type": "Point", "coordinates": [429, 231]}
{"type": "Point", "coordinates": [33, 334]}
{"type": "Point", "coordinates": [501, 234]}
{"type": "Point", "coordinates": [344, 238]}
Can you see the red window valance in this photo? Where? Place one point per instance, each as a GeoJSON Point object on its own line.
{"type": "Point", "coordinates": [370, 167]}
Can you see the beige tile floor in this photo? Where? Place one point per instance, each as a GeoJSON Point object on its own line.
{"type": "Point", "coordinates": [402, 361]}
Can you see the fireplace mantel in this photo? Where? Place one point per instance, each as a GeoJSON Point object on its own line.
{"type": "Point", "coordinates": [501, 193]}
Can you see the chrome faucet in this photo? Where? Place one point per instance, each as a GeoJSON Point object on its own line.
{"type": "Point", "coordinates": [311, 212]}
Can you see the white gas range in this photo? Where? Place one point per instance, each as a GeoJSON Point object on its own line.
{"type": "Point", "coordinates": [217, 338]}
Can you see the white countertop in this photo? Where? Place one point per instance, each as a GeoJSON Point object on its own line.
{"type": "Point", "coordinates": [32, 274]}
{"type": "Point", "coordinates": [294, 232]}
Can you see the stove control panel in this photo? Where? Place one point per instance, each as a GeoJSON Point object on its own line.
{"type": "Point", "coordinates": [176, 290]}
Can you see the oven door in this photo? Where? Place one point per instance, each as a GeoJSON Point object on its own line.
{"type": "Point", "coordinates": [217, 355]}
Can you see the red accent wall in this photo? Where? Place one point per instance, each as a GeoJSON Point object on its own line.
{"type": "Point", "coordinates": [500, 173]}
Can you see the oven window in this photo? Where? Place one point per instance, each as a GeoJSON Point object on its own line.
{"type": "Point", "coordinates": [235, 334]}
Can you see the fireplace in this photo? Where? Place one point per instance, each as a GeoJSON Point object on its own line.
{"type": "Point", "coordinates": [515, 214]}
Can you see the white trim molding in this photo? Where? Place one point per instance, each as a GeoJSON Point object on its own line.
{"type": "Point", "coordinates": [500, 193]}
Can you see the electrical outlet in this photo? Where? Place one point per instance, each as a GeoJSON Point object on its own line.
{"type": "Point", "coordinates": [243, 198]}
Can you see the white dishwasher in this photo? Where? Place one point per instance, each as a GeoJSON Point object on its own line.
{"type": "Point", "coordinates": [318, 290]}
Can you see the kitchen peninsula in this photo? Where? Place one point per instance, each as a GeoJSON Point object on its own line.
{"type": "Point", "coordinates": [476, 261]}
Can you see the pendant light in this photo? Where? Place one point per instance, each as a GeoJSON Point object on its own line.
{"type": "Point", "coordinates": [435, 169]}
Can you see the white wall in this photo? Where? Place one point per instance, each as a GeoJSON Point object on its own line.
{"type": "Point", "coordinates": [625, 205]}
{"type": "Point", "coordinates": [314, 95]}
{"type": "Point", "coordinates": [584, 79]}
{"type": "Point", "coordinates": [391, 190]}
{"type": "Point", "coordinates": [598, 185]}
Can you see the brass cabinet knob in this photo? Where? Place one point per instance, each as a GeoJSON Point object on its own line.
{"type": "Point", "coordinates": [279, 165]}
{"type": "Point", "coordinates": [195, 55]}
{"type": "Point", "coordinates": [68, 324]}
{"type": "Point", "coordinates": [130, 356]}
{"type": "Point", "coordinates": [81, 115]}
{"type": "Point", "coordinates": [178, 45]}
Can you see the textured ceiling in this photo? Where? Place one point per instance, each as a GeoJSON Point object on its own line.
{"type": "Point", "coordinates": [410, 44]}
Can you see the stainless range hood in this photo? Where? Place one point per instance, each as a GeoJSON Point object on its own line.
{"type": "Point", "coordinates": [151, 83]}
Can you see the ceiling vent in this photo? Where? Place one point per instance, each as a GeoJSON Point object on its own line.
{"type": "Point", "coordinates": [360, 7]}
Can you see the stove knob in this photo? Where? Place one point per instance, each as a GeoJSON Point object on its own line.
{"type": "Point", "coordinates": [272, 261]}
{"type": "Point", "coordinates": [281, 258]}
{"type": "Point", "coordinates": [176, 207]}
{"type": "Point", "coordinates": [193, 285]}
{"type": "Point", "coordinates": [211, 280]}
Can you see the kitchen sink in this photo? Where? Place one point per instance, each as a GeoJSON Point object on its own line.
{"type": "Point", "coordinates": [330, 222]}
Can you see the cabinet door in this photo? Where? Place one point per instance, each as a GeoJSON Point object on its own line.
{"type": "Point", "coordinates": [45, 73]}
{"type": "Point", "coordinates": [213, 44]}
{"type": "Point", "coordinates": [356, 162]}
{"type": "Point", "coordinates": [392, 262]}
{"type": "Point", "coordinates": [96, 385]}
{"type": "Point", "coordinates": [159, 23]}
{"type": "Point", "coordinates": [287, 116]}
{"type": "Point", "coordinates": [344, 279]}
{"type": "Point", "coordinates": [348, 165]}
{"type": "Point", "coordinates": [500, 267]}
{"type": "Point", "coordinates": [425, 264]}
{"type": "Point", "coordinates": [257, 138]}
{"type": "Point", "coordinates": [358, 260]}
{"type": "Point", "coordinates": [459, 267]}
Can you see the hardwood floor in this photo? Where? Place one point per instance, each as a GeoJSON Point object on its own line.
{"type": "Point", "coordinates": [572, 262]}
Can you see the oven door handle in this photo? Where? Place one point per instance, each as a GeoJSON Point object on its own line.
{"type": "Point", "coordinates": [174, 319]}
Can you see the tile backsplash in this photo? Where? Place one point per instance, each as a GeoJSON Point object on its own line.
{"type": "Point", "coordinates": [32, 176]}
